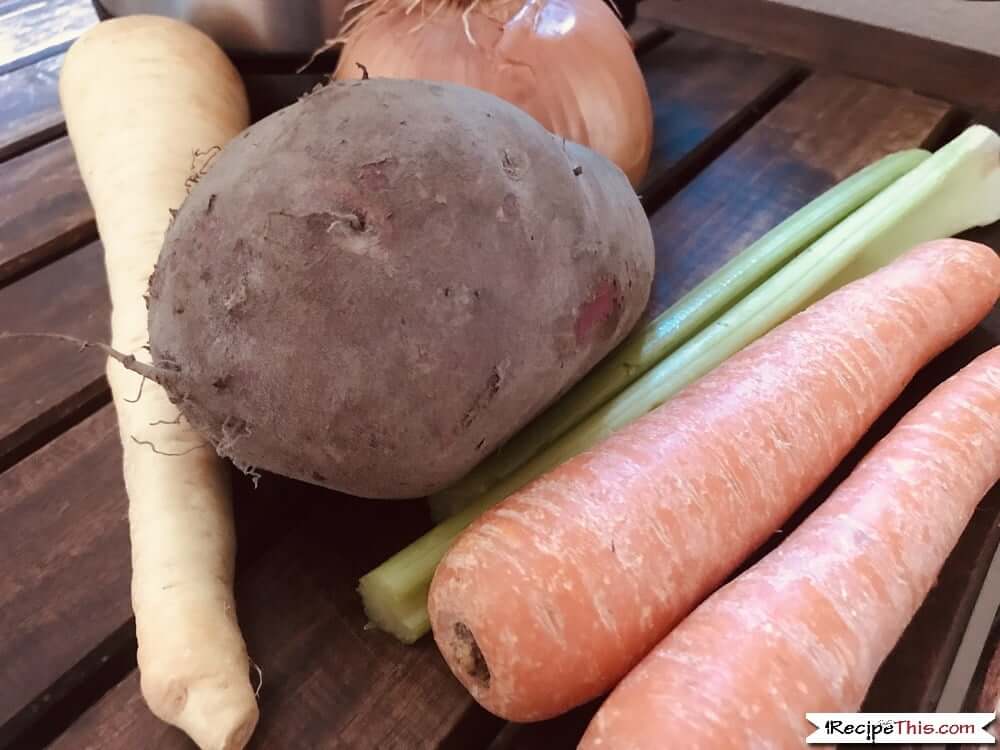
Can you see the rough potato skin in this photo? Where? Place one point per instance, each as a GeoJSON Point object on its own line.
{"type": "Point", "coordinates": [375, 287]}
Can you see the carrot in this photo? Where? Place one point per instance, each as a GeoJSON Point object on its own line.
{"type": "Point", "coordinates": [550, 598]}
{"type": "Point", "coordinates": [141, 94]}
{"type": "Point", "coordinates": [807, 627]}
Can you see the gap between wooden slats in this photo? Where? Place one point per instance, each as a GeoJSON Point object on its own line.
{"type": "Point", "coordinates": [29, 107]}
{"type": "Point", "coordinates": [46, 212]}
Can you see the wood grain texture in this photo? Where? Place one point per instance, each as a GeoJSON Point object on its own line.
{"type": "Point", "coordinates": [951, 73]}
{"type": "Point", "coordinates": [63, 559]}
{"type": "Point", "coordinates": [44, 381]}
{"type": "Point", "coordinates": [826, 129]}
{"type": "Point", "coordinates": [704, 93]}
{"type": "Point", "coordinates": [32, 31]}
{"type": "Point", "coordinates": [984, 692]}
{"type": "Point", "coordinates": [29, 106]}
{"type": "Point", "coordinates": [646, 33]}
{"type": "Point", "coordinates": [47, 211]}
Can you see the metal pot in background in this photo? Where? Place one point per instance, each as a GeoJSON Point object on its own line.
{"type": "Point", "coordinates": [289, 29]}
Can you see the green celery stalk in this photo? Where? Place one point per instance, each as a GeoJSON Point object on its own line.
{"type": "Point", "coordinates": [954, 190]}
{"type": "Point", "coordinates": [647, 346]}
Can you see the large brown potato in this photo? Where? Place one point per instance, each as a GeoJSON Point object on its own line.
{"type": "Point", "coordinates": [374, 288]}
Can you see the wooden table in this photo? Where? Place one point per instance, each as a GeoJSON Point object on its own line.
{"type": "Point", "coordinates": [743, 138]}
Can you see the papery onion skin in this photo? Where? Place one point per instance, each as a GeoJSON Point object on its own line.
{"type": "Point", "coordinates": [568, 63]}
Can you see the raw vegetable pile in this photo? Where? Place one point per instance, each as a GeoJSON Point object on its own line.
{"type": "Point", "coordinates": [421, 282]}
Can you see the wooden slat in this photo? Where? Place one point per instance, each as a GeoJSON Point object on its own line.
{"type": "Point", "coordinates": [829, 127]}
{"type": "Point", "coordinates": [966, 77]}
{"type": "Point", "coordinates": [327, 682]}
{"type": "Point", "coordinates": [29, 106]}
{"type": "Point", "coordinates": [646, 33]}
{"type": "Point", "coordinates": [30, 113]}
{"type": "Point", "coordinates": [826, 129]}
{"type": "Point", "coordinates": [45, 382]}
{"type": "Point", "coordinates": [562, 733]}
{"type": "Point", "coordinates": [32, 31]}
{"type": "Point", "coordinates": [63, 560]}
{"type": "Point", "coordinates": [46, 211]}
{"type": "Point", "coordinates": [704, 93]}
{"type": "Point", "coordinates": [985, 693]}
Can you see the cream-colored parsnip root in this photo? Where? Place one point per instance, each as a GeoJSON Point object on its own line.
{"type": "Point", "coordinates": [141, 94]}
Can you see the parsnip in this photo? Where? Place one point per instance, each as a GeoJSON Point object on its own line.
{"type": "Point", "coordinates": [141, 96]}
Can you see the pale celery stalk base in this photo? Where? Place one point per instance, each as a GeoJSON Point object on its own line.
{"type": "Point", "coordinates": [956, 189]}
{"type": "Point", "coordinates": [646, 347]}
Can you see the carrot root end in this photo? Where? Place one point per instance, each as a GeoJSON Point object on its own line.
{"type": "Point", "coordinates": [468, 656]}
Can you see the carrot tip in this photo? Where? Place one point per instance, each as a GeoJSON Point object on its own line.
{"type": "Point", "coordinates": [468, 656]}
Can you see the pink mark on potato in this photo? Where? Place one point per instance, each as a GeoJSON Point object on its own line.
{"type": "Point", "coordinates": [602, 307]}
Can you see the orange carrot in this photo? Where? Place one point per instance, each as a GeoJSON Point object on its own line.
{"type": "Point", "coordinates": [550, 598]}
{"type": "Point", "coordinates": [807, 627]}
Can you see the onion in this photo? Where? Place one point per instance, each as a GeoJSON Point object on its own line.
{"type": "Point", "coordinates": [568, 63]}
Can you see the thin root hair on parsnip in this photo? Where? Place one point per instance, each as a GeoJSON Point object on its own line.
{"type": "Point", "coordinates": [138, 396]}
{"type": "Point", "coordinates": [167, 422]}
{"type": "Point", "coordinates": [159, 375]}
{"type": "Point", "coordinates": [260, 679]}
{"type": "Point", "coordinates": [152, 446]}
{"type": "Point", "coordinates": [232, 429]}
{"type": "Point", "coordinates": [201, 160]}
